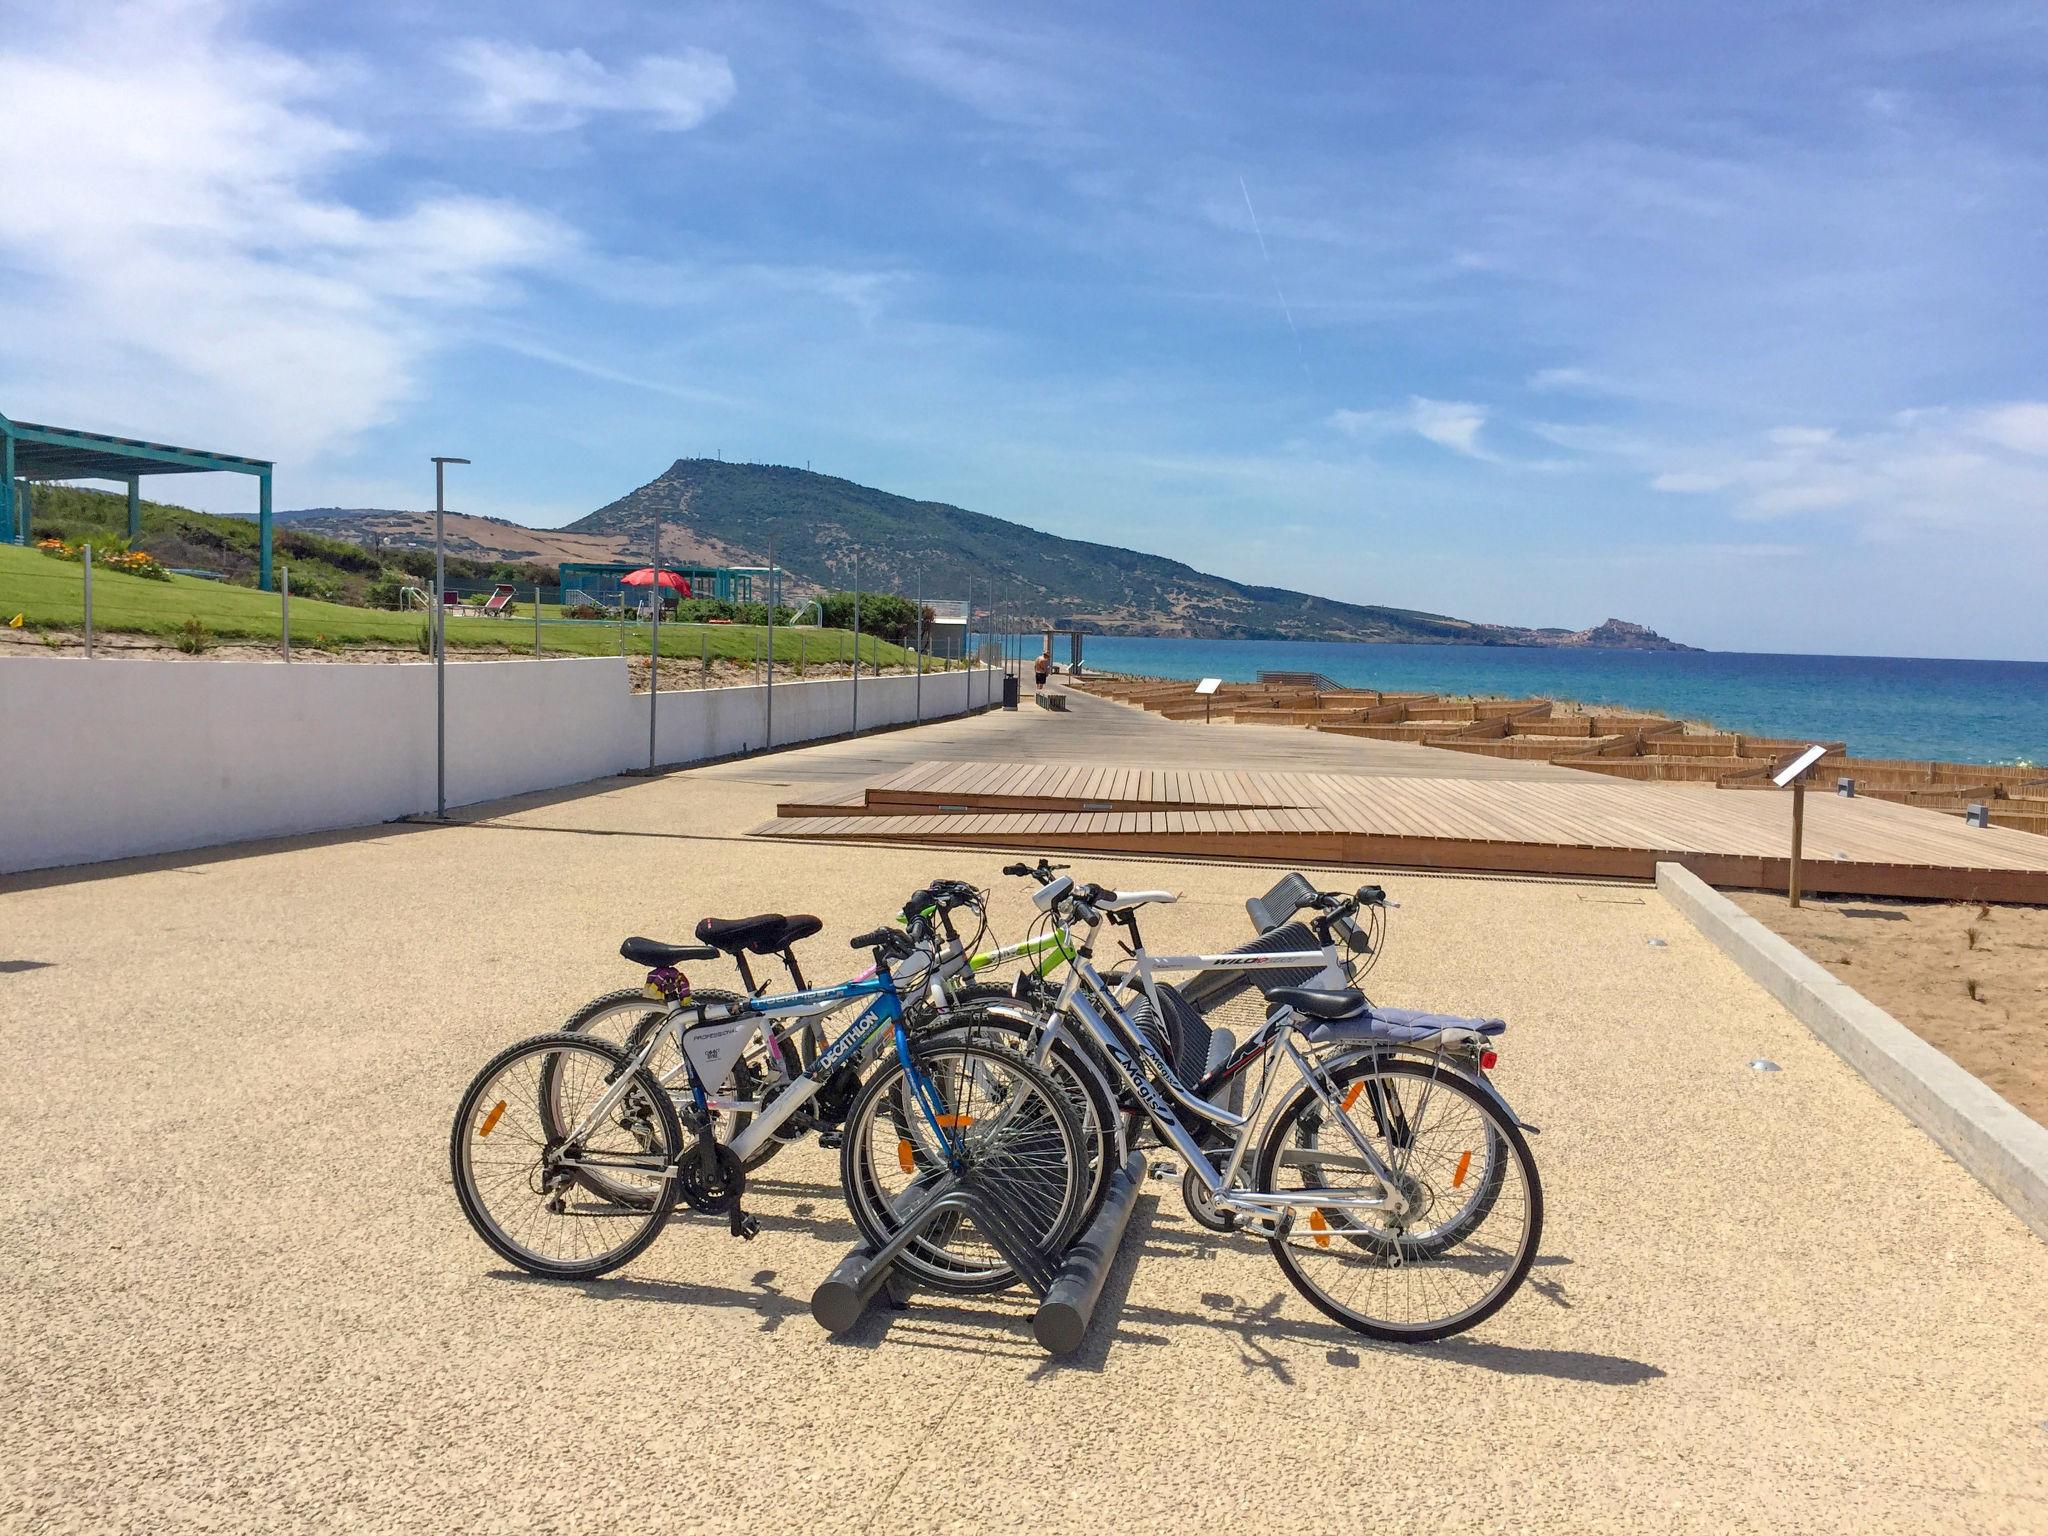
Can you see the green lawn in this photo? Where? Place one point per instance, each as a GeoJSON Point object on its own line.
{"type": "Point", "coordinates": [50, 594]}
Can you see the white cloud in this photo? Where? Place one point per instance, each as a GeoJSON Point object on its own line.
{"type": "Point", "coordinates": [1923, 470]}
{"type": "Point", "coordinates": [2021, 428]}
{"type": "Point", "coordinates": [1685, 484]}
{"type": "Point", "coordinates": [182, 266]}
{"type": "Point", "coordinates": [538, 90]}
{"type": "Point", "coordinates": [1452, 424]}
{"type": "Point", "coordinates": [1800, 437]}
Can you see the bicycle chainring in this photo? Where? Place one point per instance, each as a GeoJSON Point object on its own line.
{"type": "Point", "coordinates": [714, 1194]}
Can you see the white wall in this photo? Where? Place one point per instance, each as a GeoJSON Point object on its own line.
{"type": "Point", "coordinates": [106, 759]}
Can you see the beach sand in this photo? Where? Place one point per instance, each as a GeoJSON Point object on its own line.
{"type": "Point", "coordinates": [1917, 961]}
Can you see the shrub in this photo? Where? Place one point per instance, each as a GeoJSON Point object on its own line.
{"type": "Point", "coordinates": [193, 637]}
{"type": "Point", "coordinates": [882, 614]}
{"type": "Point", "coordinates": [109, 553]}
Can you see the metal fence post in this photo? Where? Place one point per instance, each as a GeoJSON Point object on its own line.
{"type": "Point", "coordinates": [704, 638]}
{"type": "Point", "coordinates": [768, 731]}
{"type": "Point", "coordinates": [654, 648]}
{"type": "Point", "coordinates": [856, 642]}
{"type": "Point", "coordinates": [284, 604]}
{"type": "Point", "coordinates": [536, 621]}
{"type": "Point", "coordinates": [917, 639]}
{"type": "Point", "coordinates": [88, 602]}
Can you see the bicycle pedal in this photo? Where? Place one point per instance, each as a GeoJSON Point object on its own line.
{"type": "Point", "coordinates": [831, 1141]}
{"type": "Point", "coordinates": [745, 1226]}
{"type": "Point", "coordinates": [1164, 1170]}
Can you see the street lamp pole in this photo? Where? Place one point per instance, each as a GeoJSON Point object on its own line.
{"type": "Point", "coordinates": [441, 464]}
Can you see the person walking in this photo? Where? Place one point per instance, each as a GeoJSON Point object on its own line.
{"type": "Point", "coordinates": [1039, 670]}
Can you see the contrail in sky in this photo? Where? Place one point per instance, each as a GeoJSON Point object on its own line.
{"type": "Point", "coordinates": [1268, 258]}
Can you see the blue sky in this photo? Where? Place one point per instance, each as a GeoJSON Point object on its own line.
{"type": "Point", "coordinates": [1729, 322]}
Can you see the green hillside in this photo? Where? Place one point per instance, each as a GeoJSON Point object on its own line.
{"type": "Point", "coordinates": [814, 522]}
{"type": "Point", "coordinates": [322, 567]}
{"type": "Point", "coordinates": [49, 595]}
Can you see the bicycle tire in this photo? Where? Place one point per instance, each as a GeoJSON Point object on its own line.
{"type": "Point", "coordinates": [1072, 1070]}
{"type": "Point", "coordinates": [474, 1122]}
{"type": "Point", "coordinates": [1360, 1231]}
{"type": "Point", "coordinates": [1042, 1127]}
{"type": "Point", "coordinates": [1391, 1252]}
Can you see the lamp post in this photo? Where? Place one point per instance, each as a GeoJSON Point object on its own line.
{"type": "Point", "coordinates": [654, 646]}
{"type": "Point", "coordinates": [441, 464]}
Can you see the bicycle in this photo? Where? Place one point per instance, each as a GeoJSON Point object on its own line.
{"type": "Point", "coordinates": [771, 1055]}
{"type": "Point", "coordinates": [599, 1152]}
{"type": "Point", "coordinates": [1383, 1195]}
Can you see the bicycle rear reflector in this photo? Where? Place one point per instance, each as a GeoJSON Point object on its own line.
{"type": "Point", "coordinates": [1464, 1167]}
{"type": "Point", "coordinates": [491, 1120]}
{"type": "Point", "coordinates": [1351, 1098]}
{"type": "Point", "coordinates": [1489, 1059]}
{"type": "Point", "coordinates": [1320, 1227]}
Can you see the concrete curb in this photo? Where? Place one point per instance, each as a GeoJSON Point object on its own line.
{"type": "Point", "coordinates": [2006, 1150]}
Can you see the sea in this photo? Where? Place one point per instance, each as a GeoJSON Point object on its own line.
{"type": "Point", "coordinates": [1882, 706]}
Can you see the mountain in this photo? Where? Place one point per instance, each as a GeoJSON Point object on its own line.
{"type": "Point", "coordinates": [736, 512]}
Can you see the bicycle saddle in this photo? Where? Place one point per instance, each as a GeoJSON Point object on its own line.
{"type": "Point", "coordinates": [1313, 1001]}
{"type": "Point", "coordinates": [654, 954]}
{"type": "Point", "coordinates": [769, 933]}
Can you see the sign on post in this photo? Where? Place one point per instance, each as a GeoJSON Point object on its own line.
{"type": "Point", "coordinates": [1794, 773]}
{"type": "Point", "coordinates": [1206, 690]}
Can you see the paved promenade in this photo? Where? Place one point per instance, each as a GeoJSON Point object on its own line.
{"type": "Point", "coordinates": [240, 1295]}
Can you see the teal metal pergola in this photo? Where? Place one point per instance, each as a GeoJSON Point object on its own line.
{"type": "Point", "coordinates": [29, 451]}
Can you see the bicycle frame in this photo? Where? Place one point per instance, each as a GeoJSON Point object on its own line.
{"type": "Point", "coordinates": [885, 1008]}
{"type": "Point", "coordinates": [949, 966]}
{"type": "Point", "coordinates": [1088, 998]}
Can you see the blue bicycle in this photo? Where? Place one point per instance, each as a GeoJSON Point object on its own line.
{"type": "Point", "coordinates": [569, 1155]}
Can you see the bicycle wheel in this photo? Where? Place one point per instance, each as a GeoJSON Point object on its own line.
{"type": "Point", "coordinates": [1014, 1145]}
{"type": "Point", "coordinates": [524, 1178]}
{"type": "Point", "coordinates": [1079, 1080]}
{"type": "Point", "coordinates": [1319, 1151]}
{"type": "Point", "coordinates": [1440, 1266]}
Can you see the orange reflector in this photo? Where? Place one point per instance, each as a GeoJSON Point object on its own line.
{"type": "Point", "coordinates": [904, 1157]}
{"type": "Point", "coordinates": [1320, 1227]}
{"type": "Point", "coordinates": [956, 1122]}
{"type": "Point", "coordinates": [1464, 1167]}
{"type": "Point", "coordinates": [491, 1119]}
{"type": "Point", "coordinates": [1351, 1098]}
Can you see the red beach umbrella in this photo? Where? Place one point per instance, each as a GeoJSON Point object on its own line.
{"type": "Point", "coordinates": [647, 576]}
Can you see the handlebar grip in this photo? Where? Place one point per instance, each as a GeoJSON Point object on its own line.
{"type": "Point", "coordinates": [878, 939]}
{"type": "Point", "coordinates": [1018, 869]}
{"type": "Point", "coordinates": [1371, 896]}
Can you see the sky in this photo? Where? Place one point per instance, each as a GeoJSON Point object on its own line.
{"type": "Point", "coordinates": [1729, 322]}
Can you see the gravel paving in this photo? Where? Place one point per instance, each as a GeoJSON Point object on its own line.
{"type": "Point", "coordinates": [246, 1299]}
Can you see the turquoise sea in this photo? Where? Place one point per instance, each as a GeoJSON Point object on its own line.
{"type": "Point", "coordinates": [1882, 706]}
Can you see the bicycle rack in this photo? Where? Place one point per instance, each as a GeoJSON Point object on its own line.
{"type": "Point", "coordinates": [1068, 1290]}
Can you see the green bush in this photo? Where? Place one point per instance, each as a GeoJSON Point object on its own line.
{"type": "Point", "coordinates": [193, 638]}
{"type": "Point", "coordinates": [882, 614]}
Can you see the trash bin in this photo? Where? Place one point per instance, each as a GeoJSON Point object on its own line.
{"type": "Point", "coordinates": [1009, 690]}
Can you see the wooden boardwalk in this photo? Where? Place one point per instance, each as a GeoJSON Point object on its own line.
{"type": "Point", "coordinates": [1584, 826]}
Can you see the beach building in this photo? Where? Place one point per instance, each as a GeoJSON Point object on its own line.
{"type": "Point", "coordinates": [598, 582]}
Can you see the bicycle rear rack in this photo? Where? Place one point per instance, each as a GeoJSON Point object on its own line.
{"type": "Point", "coordinates": [1068, 1287]}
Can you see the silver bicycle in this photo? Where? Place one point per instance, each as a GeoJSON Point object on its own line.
{"type": "Point", "coordinates": [1396, 1190]}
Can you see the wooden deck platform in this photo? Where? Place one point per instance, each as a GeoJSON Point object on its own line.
{"type": "Point", "coordinates": [1597, 827]}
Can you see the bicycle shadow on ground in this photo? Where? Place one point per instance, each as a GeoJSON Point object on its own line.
{"type": "Point", "coordinates": [1264, 1332]}
{"type": "Point", "coordinates": [767, 1299]}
